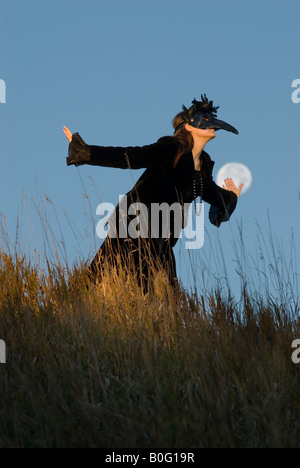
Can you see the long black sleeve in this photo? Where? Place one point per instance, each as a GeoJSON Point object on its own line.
{"type": "Point", "coordinates": [157, 154]}
{"type": "Point", "coordinates": [223, 202]}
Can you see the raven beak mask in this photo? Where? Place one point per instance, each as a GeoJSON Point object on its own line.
{"type": "Point", "coordinates": [202, 114]}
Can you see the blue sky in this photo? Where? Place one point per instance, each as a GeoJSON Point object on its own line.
{"type": "Point", "coordinates": [117, 72]}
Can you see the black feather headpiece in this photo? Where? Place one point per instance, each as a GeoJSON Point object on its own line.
{"type": "Point", "coordinates": [204, 106]}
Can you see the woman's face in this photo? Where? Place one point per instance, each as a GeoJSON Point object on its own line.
{"type": "Point", "coordinates": [201, 133]}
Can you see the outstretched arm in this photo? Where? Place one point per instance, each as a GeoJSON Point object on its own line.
{"type": "Point", "coordinates": [157, 154]}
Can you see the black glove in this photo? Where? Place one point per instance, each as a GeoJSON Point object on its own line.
{"type": "Point", "coordinates": [79, 152]}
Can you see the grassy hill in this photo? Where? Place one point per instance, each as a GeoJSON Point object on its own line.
{"type": "Point", "coordinates": [107, 366]}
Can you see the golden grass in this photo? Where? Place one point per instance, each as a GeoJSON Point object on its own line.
{"type": "Point", "coordinates": [107, 366]}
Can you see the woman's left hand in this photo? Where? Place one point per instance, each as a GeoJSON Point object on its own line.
{"type": "Point", "coordinates": [229, 185]}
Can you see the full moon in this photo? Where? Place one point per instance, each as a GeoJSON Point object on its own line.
{"type": "Point", "coordinates": [239, 173]}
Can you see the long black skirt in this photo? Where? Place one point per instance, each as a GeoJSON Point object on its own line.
{"type": "Point", "coordinates": [143, 257]}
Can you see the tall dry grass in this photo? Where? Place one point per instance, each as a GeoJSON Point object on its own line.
{"type": "Point", "coordinates": [108, 366]}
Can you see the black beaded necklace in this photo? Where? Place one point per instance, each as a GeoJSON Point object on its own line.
{"type": "Point", "coordinates": [198, 212]}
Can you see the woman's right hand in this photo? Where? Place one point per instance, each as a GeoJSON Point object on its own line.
{"type": "Point", "coordinates": [68, 133]}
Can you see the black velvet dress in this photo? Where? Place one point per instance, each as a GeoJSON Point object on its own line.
{"type": "Point", "coordinates": [159, 183]}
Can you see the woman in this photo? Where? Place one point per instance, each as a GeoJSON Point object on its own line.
{"type": "Point", "coordinates": [177, 171]}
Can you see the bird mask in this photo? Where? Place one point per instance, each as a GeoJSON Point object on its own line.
{"type": "Point", "coordinates": [202, 114]}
